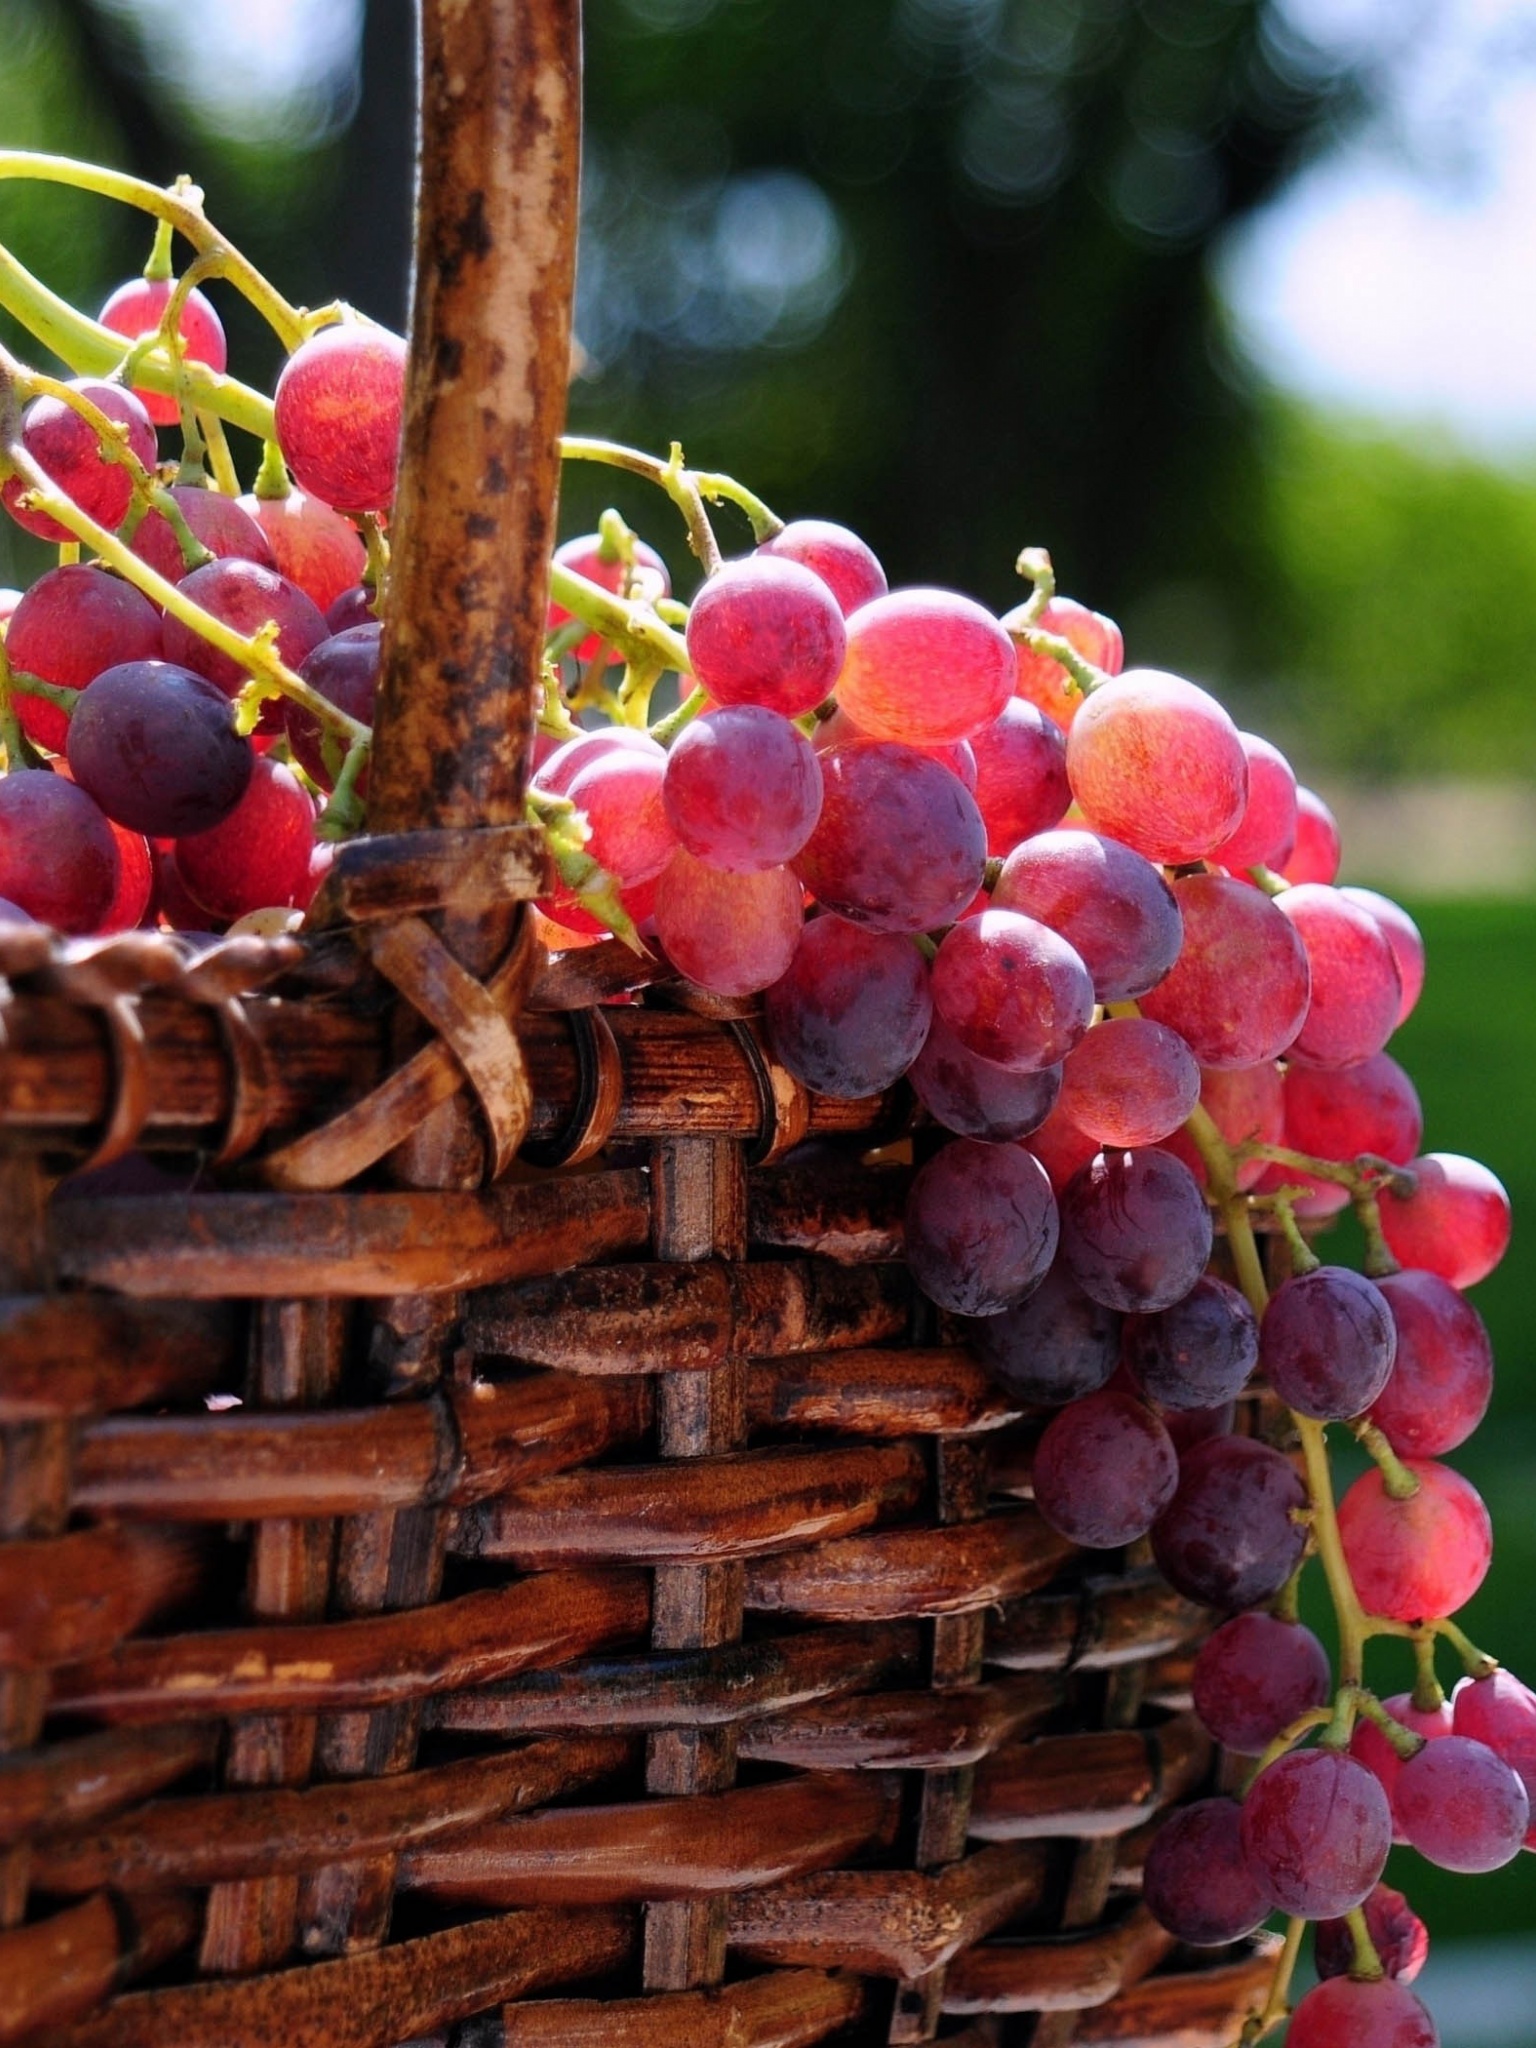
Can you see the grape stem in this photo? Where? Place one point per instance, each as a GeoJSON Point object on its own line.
{"type": "Point", "coordinates": [1398, 1480]}
{"type": "Point", "coordinates": [681, 485]}
{"type": "Point", "coordinates": [633, 628]}
{"type": "Point", "coordinates": [1034, 564]}
{"type": "Point", "coordinates": [1277, 2007]}
{"type": "Point", "coordinates": [1367, 1964]}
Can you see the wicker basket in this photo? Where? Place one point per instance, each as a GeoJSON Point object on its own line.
{"type": "Point", "coordinates": [507, 1550]}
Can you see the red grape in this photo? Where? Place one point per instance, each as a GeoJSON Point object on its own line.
{"type": "Point", "coordinates": [1462, 1806]}
{"type": "Point", "coordinates": [345, 671]}
{"type": "Point", "coordinates": [1053, 1346]}
{"type": "Point", "coordinates": [1340, 1113]}
{"type": "Point", "coordinates": [1197, 1353]}
{"type": "Point", "coordinates": [1268, 831]}
{"type": "Point", "coordinates": [840, 731]}
{"type": "Point", "coordinates": [1315, 856]}
{"type": "Point", "coordinates": [619, 793]}
{"type": "Point", "coordinates": [742, 788]}
{"type": "Point", "coordinates": [980, 1226]}
{"type": "Point", "coordinates": [1135, 1231]}
{"type": "Point", "coordinates": [1238, 992]}
{"type": "Point", "coordinates": [1500, 1711]}
{"type": "Point", "coordinates": [135, 882]}
{"type": "Point", "coordinates": [1421, 1558]}
{"type": "Point", "coordinates": [58, 858]}
{"type": "Point", "coordinates": [1197, 1882]}
{"type": "Point", "coordinates": [1230, 1537]}
{"type": "Point", "coordinates": [1399, 1936]}
{"type": "Point", "coordinates": [1316, 1830]}
{"type": "Point", "coordinates": [1350, 2012]}
{"type": "Point", "coordinates": [1402, 935]}
{"type": "Point", "coordinates": [926, 667]}
{"type": "Point", "coordinates": [1442, 1379]}
{"type": "Point", "coordinates": [312, 545]}
{"type": "Point", "coordinates": [850, 1015]}
{"type": "Point", "coordinates": [156, 746]}
{"type": "Point", "coordinates": [1369, 1745]}
{"type": "Point", "coordinates": [175, 906]}
{"type": "Point", "coordinates": [1045, 682]}
{"type": "Point", "coordinates": [879, 802]}
{"type": "Point", "coordinates": [844, 563]}
{"type": "Point", "coordinates": [1011, 990]}
{"type": "Point", "coordinates": [1104, 1470]}
{"type": "Point", "coordinates": [354, 607]}
{"type": "Point", "coordinates": [589, 556]}
{"type": "Point", "coordinates": [337, 410]}
{"type": "Point", "coordinates": [1254, 1676]}
{"type": "Point", "coordinates": [1111, 906]}
{"type": "Point", "coordinates": [766, 632]}
{"type": "Point", "coordinates": [72, 624]}
{"type": "Point", "coordinates": [1061, 1147]}
{"type": "Point", "coordinates": [222, 525]}
{"type": "Point", "coordinates": [975, 1098]}
{"type": "Point", "coordinates": [137, 308]}
{"type": "Point", "coordinates": [64, 446]}
{"type": "Point", "coordinates": [1455, 1223]}
{"type": "Point", "coordinates": [1129, 1082]}
{"type": "Point", "coordinates": [1327, 1343]}
{"type": "Point", "coordinates": [1157, 763]}
{"type": "Point", "coordinates": [731, 933]}
{"type": "Point", "coordinates": [1356, 991]}
{"type": "Point", "coordinates": [1244, 1103]}
{"type": "Point", "coordinates": [559, 769]}
{"type": "Point", "coordinates": [258, 856]}
{"type": "Point", "coordinates": [1021, 775]}
{"type": "Point", "coordinates": [246, 597]}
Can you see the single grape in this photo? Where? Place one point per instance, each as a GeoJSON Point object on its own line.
{"type": "Point", "coordinates": [1199, 1352]}
{"type": "Point", "coordinates": [1399, 1936]}
{"type": "Point", "coordinates": [58, 859]}
{"type": "Point", "coordinates": [1130, 1082]}
{"type": "Point", "coordinates": [1500, 1711]}
{"type": "Point", "coordinates": [220, 523]}
{"type": "Point", "coordinates": [313, 546]}
{"type": "Point", "coordinates": [1356, 989]}
{"type": "Point", "coordinates": [1368, 1743]}
{"type": "Point", "coordinates": [926, 667]}
{"type": "Point", "coordinates": [1104, 1470]}
{"type": "Point", "coordinates": [1421, 1558]}
{"type": "Point", "coordinates": [730, 933]}
{"type": "Point", "coordinates": [1230, 1537]}
{"type": "Point", "coordinates": [337, 411]}
{"type": "Point", "coordinates": [1254, 1676]}
{"type": "Point", "coordinates": [1061, 1147]}
{"type": "Point", "coordinates": [1350, 2012]}
{"type": "Point", "coordinates": [246, 597]}
{"type": "Point", "coordinates": [1054, 1346]}
{"type": "Point", "coordinates": [850, 1015]}
{"type": "Point", "coordinates": [1108, 903]}
{"type": "Point", "coordinates": [70, 625]}
{"type": "Point", "coordinates": [1316, 1829]}
{"type": "Point", "coordinates": [258, 856]}
{"type": "Point", "coordinates": [1135, 1231]}
{"type": "Point", "coordinates": [1402, 935]}
{"type": "Point", "coordinates": [1442, 1379]}
{"type": "Point", "coordinates": [1197, 1882]}
{"type": "Point", "coordinates": [1315, 856]}
{"type": "Point", "coordinates": [619, 794]}
{"type": "Point", "coordinates": [1461, 1805]}
{"type": "Point", "coordinates": [1238, 993]}
{"type": "Point", "coordinates": [840, 731]}
{"type": "Point", "coordinates": [980, 1226]}
{"type": "Point", "coordinates": [1011, 990]}
{"type": "Point", "coordinates": [1455, 1223]}
{"type": "Point", "coordinates": [1341, 1112]}
{"type": "Point", "coordinates": [65, 448]}
{"type": "Point", "coordinates": [137, 308]}
{"type": "Point", "coordinates": [742, 788]}
{"type": "Point", "coordinates": [975, 1098]}
{"type": "Point", "coordinates": [766, 632]}
{"type": "Point", "coordinates": [1154, 761]}
{"type": "Point", "coordinates": [847, 566]}
{"type": "Point", "coordinates": [1268, 831]}
{"type": "Point", "coordinates": [345, 671]}
{"type": "Point", "coordinates": [879, 802]}
{"type": "Point", "coordinates": [354, 607]}
{"type": "Point", "coordinates": [157, 748]}
{"type": "Point", "coordinates": [1021, 775]}
{"type": "Point", "coordinates": [1045, 682]}
{"type": "Point", "coordinates": [589, 556]}
{"type": "Point", "coordinates": [1327, 1343]}
{"type": "Point", "coordinates": [1245, 1104]}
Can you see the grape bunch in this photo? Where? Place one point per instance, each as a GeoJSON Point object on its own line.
{"type": "Point", "coordinates": [1093, 928]}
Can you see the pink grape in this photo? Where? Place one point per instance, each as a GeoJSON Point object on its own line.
{"type": "Point", "coordinates": [258, 856]}
{"type": "Point", "coordinates": [1399, 1936]}
{"type": "Point", "coordinates": [1154, 761]}
{"type": "Point", "coordinates": [1045, 682]}
{"type": "Point", "coordinates": [58, 858]}
{"type": "Point", "coordinates": [1356, 990]}
{"type": "Point", "coordinates": [742, 788]}
{"type": "Point", "coordinates": [1462, 1806]}
{"type": "Point", "coordinates": [246, 597]}
{"type": "Point", "coordinates": [975, 1098]}
{"type": "Point", "coordinates": [1442, 1379]}
{"type": "Point", "coordinates": [846, 564]}
{"type": "Point", "coordinates": [559, 769]}
{"type": "Point", "coordinates": [1197, 1353]}
{"type": "Point", "coordinates": [1327, 1342]}
{"type": "Point", "coordinates": [345, 671]}
{"type": "Point", "coordinates": [1402, 935]}
{"type": "Point", "coordinates": [1342, 1112]}
{"type": "Point", "coordinates": [1349, 2012]}
{"type": "Point", "coordinates": [1368, 1744]}
{"type": "Point", "coordinates": [1456, 1222]}
{"type": "Point", "coordinates": [1197, 1882]}
{"type": "Point", "coordinates": [1011, 990]}
{"type": "Point", "coordinates": [879, 802]}
{"type": "Point", "coordinates": [1108, 903]}
{"type": "Point", "coordinates": [69, 626]}
{"type": "Point", "coordinates": [1130, 1082]}
{"type": "Point", "coordinates": [1421, 1558]}
{"type": "Point", "coordinates": [730, 933]}
{"type": "Point", "coordinates": [1268, 831]}
{"type": "Point", "coordinates": [312, 545]}
{"type": "Point", "coordinates": [1104, 1470]}
{"type": "Point", "coordinates": [220, 523]}
{"type": "Point", "coordinates": [1316, 1829]}
{"type": "Point", "coordinates": [1135, 1230]}
{"type": "Point", "coordinates": [850, 1014]}
{"type": "Point", "coordinates": [619, 793]}
{"type": "Point", "coordinates": [1246, 1104]}
{"type": "Point", "coordinates": [1230, 1537]}
{"type": "Point", "coordinates": [926, 667]}
{"type": "Point", "coordinates": [588, 556]}
{"type": "Point", "coordinates": [840, 731]}
{"type": "Point", "coordinates": [1315, 856]}
{"type": "Point", "coordinates": [157, 748]}
{"type": "Point", "coordinates": [981, 1226]}
{"type": "Point", "coordinates": [1254, 1676]}
{"type": "Point", "coordinates": [65, 448]}
{"type": "Point", "coordinates": [1053, 1346]}
{"type": "Point", "coordinates": [1238, 993]}
{"type": "Point", "coordinates": [1061, 1147]}
{"type": "Point", "coordinates": [766, 632]}
{"type": "Point", "coordinates": [1021, 775]}
{"type": "Point", "coordinates": [137, 308]}
{"type": "Point", "coordinates": [1500, 1711]}
{"type": "Point", "coordinates": [337, 412]}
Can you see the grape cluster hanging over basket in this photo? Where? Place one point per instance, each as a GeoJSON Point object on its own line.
{"type": "Point", "coordinates": [662, 1367]}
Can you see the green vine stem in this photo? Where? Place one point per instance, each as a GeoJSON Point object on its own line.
{"type": "Point", "coordinates": [633, 628]}
{"type": "Point", "coordinates": [679, 483]}
{"type": "Point", "coordinates": [1276, 2007]}
{"type": "Point", "coordinates": [1034, 564]}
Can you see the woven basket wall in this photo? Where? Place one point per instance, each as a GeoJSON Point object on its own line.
{"type": "Point", "coordinates": [493, 1545]}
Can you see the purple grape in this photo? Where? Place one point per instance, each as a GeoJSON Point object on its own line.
{"type": "Point", "coordinates": [1461, 1805]}
{"type": "Point", "coordinates": [1197, 1882]}
{"type": "Point", "coordinates": [1399, 1936]}
{"type": "Point", "coordinates": [1110, 905]}
{"type": "Point", "coordinates": [345, 671]}
{"type": "Point", "coordinates": [881, 802]}
{"type": "Point", "coordinates": [1012, 990]}
{"type": "Point", "coordinates": [1104, 1470]}
{"type": "Point", "coordinates": [1316, 1829]}
{"type": "Point", "coordinates": [1254, 1676]}
{"type": "Point", "coordinates": [156, 746]}
{"type": "Point", "coordinates": [1199, 1352]}
{"type": "Point", "coordinates": [1442, 1375]}
{"type": "Point", "coordinates": [981, 1226]}
{"type": "Point", "coordinates": [851, 1014]}
{"type": "Point", "coordinates": [1052, 1347]}
{"type": "Point", "coordinates": [1135, 1231]}
{"type": "Point", "coordinates": [976, 1098]}
{"type": "Point", "coordinates": [1327, 1343]}
{"type": "Point", "coordinates": [742, 788]}
{"type": "Point", "coordinates": [1229, 1538]}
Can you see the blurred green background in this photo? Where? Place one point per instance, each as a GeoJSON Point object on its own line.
{"type": "Point", "coordinates": [959, 273]}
